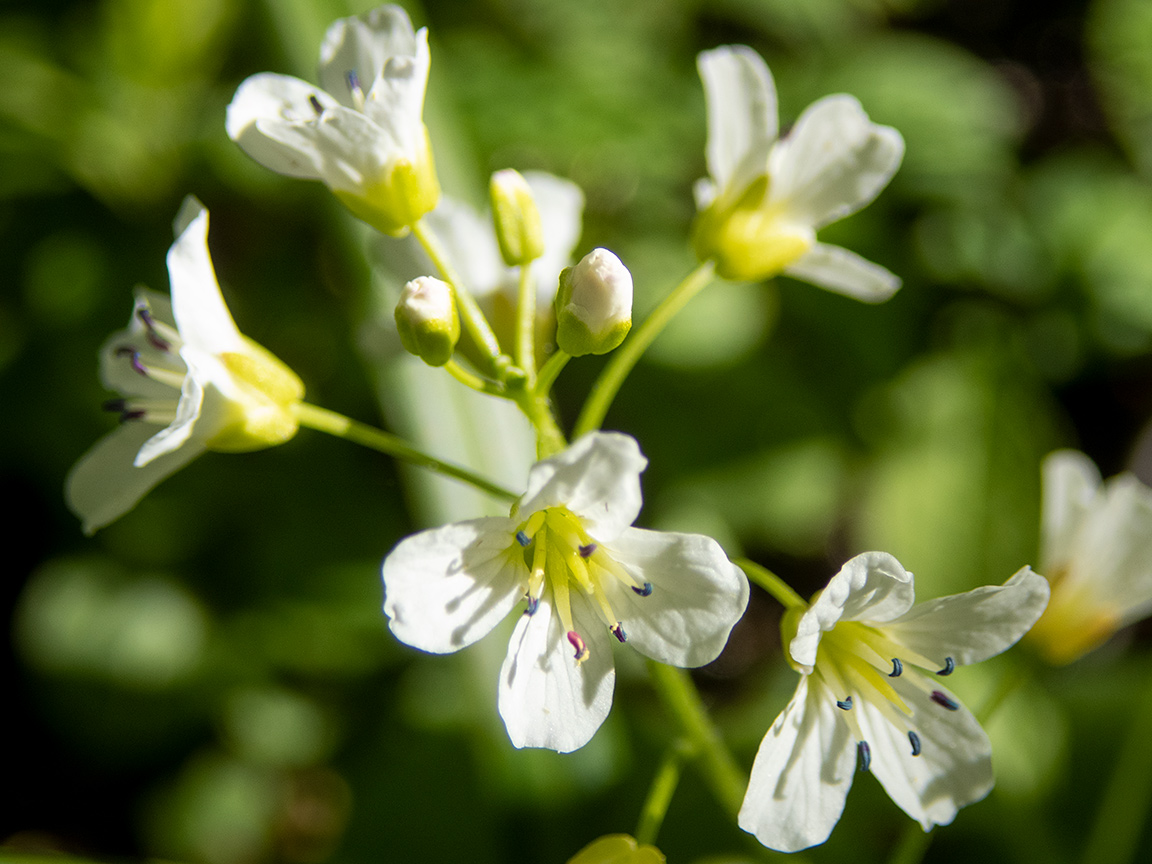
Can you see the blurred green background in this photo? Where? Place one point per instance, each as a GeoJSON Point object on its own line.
{"type": "Point", "coordinates": [210, 679]}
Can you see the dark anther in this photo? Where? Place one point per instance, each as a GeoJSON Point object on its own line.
{"type": "Point", "coordinates": [114, 405]}
{"type": "Point", "coordinates": [578, 644]}
{"type": "Point", "coordinates": [897, 668]}
{"type": "Point", "coordinates": [865, 755]}
{"type": "Point", "coordinates": [585, 551]}
{"type": "Point", "coordinates": [533, 602]}
{"type": "Point", "coordinates": [353, 81]}
{"type": "Point", "coordinates": [645, 591]}
{"type": "Point", "coordinates": [522, 538]}
{"type": "Point", "coordinates": [315, 103]}
{"type": "Point", "coordinates": [949, 667]}
{"type": "Point", "coordinates": [914, 740]}
{"type": "Point", "coordinates": [125, 351]}
{"type": "Point", "coordinates": [944, 701]}
{"type": "Point", "coordinates": [618, 632]}
{"type": "Point", "coordinates": [145, 315]}
{"type": "Point", "coordinates": [844, 704]}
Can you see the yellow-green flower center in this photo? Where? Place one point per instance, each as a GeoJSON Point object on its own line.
{"type": "Point", "coordinates": [561, 555]}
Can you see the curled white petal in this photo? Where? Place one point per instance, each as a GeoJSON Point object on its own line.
{"type": "Point", "coordinates": [977, 624]}
{"type": "Point", "coordinates": [741, 100]}
{"type": "Point", "coordinates": [597, 478]}
{"type": "Point", "coordinates": [802, 773]}
{"type": "Point", "coordinates": [545, 698]}
{"type": "Point", "coordinates": [844, 272]}
{"type": "Point", "coordinates": [697, 596]}
{"type": "Point", "coordinates": [266, 106]}
{"type": "Point", "coordinates": [447, 587]}
{"type": "Point", "coordinates": [833, 162]}
{"type": "Point", "coordinates": [871, 587]}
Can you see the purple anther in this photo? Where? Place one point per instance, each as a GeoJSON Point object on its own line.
{"type": "Point", "coordinates": [914, 740]}
{"type": "Point", "coordinates": [533, 602]}
{"type": "Point", "coordinates": [949, 667]}
{"type": "Point", "coordinates": [125, 351]}
{"type": "Point", "coordinates": [137, 414]}
{"type": "Point", "coordinates": [585, 551]}
{"type": "Point", "coordinates": [578, 644]}
{"type": "Point", "coordinates": [945, 701]}
{"type": "Point", "coordinates": [618, 632]}
{"type": "Point", "coordinates": [897, 668]}
{"type": "Point", "coordinates": [865, 756]}
{"type": "Point", "coordinates": [645, 591]}
{"type": "Point", "coordinates": [145, 315]}
{"type": "Point", "coordinates": [522, 538]}
{"type": "Point", "coordinates": [315, 103]}
{"type": "Point", "coordinates": [353, 81]}
{"type": "Point", "coordinates": [844, 704]}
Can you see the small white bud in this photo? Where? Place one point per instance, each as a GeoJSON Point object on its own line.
{"type": "Point", "coordinates": [593, 305]}
{"type": "Point", "coordinates": [427, 321]}
{"type": "Point", "coordinates": [516, 218]}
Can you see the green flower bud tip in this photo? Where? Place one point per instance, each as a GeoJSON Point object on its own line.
{"type": "Point", "coordinates": [516, 218]}
{"type": "Point", "coordinates": [593, 305]}
{"type": "Point", "coordinates": [427, 321]}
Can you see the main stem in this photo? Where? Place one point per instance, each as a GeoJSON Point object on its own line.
{"type": "Point", "coordinates": [627, 355]}
{"type": "Point", "coordinates": [682, 698]}
{"type": "Point", "coordinates": [323, 420]}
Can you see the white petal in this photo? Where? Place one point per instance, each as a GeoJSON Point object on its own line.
{"type": "Point", "coordinates": [204, 321]}
{"type": "Point", "coordinates": [271, 102]}
{"type": "Point", "coordinates": [741, 101]}
{"type": "Point", "coordinates": [833, 162]}
{"type": "Point", "coordinates": [362, 45]}
{"type": "Point", "coordinates": [954, 767]}
{"type": "Point", "coordinates": [836, 269]}
{"type": "Point", "coordinates": [396, 102]}
{"type": "Point", "coordinates": [975, 625]}
{"type": "Point", "coordinates": [180, 431]}
{"type": "Point", "coordinates": [545, 698]}
{"type": "Point", "coordinates": [1113, 548]}
{"type": "Point", "coordinates": [871, 587]}
{"type": "Point", "coordinates": [446, 588]}
{"type": "Point", "coordinates": [597, 477]}
{"type": "Point", "coordinates": [697, 596]}
{"type": "Point", "coordinates": [802, 773]}
{"type": "Point", "coordinates": [1071, 482]}
{"type": "Point", "coordinates": [346, 148]}
{"type": "Point", "coordinates": [104, 484]}
{"type": "Point", "coordinates": [561, 206]}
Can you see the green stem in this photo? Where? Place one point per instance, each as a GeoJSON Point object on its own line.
{"type": "Point", "coordinates": [471, 380]}
{"type": "Point", "coordinates": [552, 367]}
{"type": "Point", "coordinates": [471, 316]}
{"type": "Point", "coordinates": [627, 355]}
{"type": "Point", "coordinates": [681, 697]}
{"type": "Point", "coordinates": [773, 584]}
{"type": "Point", "coordinates": [1115, 836]}
{"type": "Point", "coordinates": [526, 324]}
{"type": "Point", "coordinates": [660, 793]}
{"type": "Point", "coordinates": [323, 420]}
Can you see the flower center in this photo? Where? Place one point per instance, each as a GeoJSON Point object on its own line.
{"type": "Point", "coordinates": [858, 663]}
{"type": "Point", "coordinates": [561, 555]}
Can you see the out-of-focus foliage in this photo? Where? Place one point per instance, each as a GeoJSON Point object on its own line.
{"type": "Point", "coordinates": [211, 680]}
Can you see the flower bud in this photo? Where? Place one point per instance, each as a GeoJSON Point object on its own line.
{"type": "Point", "coordinates": [427, 321]}
{"type": "Point", "coordinates": [516, 218]}
{"type": "Point", "coordinates": [593, 305]}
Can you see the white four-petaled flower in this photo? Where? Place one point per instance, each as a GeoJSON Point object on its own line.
{"type": "Point", "coordinates": [191, 382]}
{"type": "Point", "coordinates": [871, 665]}
{"type": "Point", "coordinates": [362, 132]}
{"type": "Point", "coordinates": [1096, 550]}
{"type": "Point", "coordinates": [766, 197]}
{"type": "Point", "coordinates": [588, 579]}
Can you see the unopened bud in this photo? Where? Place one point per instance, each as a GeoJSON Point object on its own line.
{"type": "Point", "coordinates": [427, 321]}
{"type": "Point", "coordinates": [516, 218]}
{"type": "Point", "coordinates": [593, 305]}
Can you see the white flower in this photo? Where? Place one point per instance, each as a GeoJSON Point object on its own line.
{"type": "Point", "coordinates": [588, 579]}
{"type": "Point", "coordinates": [594, 304]}
{"type": "Point", "coordinates": [190, 380]}
{"type": "Point", "coordinates": [1096, 550]}
{"type": "Point", "coordinates": [766, 197]}
{"type": "Point", "coordinates": [363, 133]}
{"type": "Point", "coordinates": [871, 666]}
